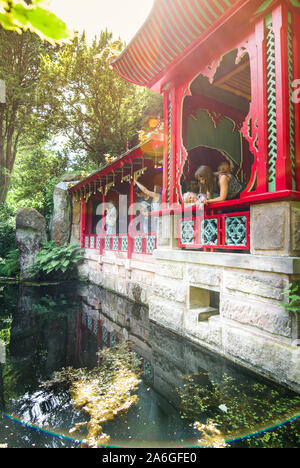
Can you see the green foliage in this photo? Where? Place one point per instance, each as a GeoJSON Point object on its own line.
{"type": "Point", "coordinates": [10, 266]}
{"type": "Point", "coordinates": [7, 229]}
{"type": "Point", "coordinates": [55, 262]}
{"type": "Point", "coordinates": [18, 15]}
{"type": "Point", "coordinates": [293, 293]}
{"type": "Point", "coordinates": [19, 69]}
{"type": "Point", "coordinates": [93, 108]}
{"type": "Point", "coordinates": [37, 170]}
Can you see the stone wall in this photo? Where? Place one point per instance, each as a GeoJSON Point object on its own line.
{"type": "Point", "coordinates": [230, 303]}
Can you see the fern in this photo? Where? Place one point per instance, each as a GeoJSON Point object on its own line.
{"type": "Point", "coordinates": [10, 266]}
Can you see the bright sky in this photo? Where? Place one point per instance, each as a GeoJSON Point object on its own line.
{"type": "Point", "coordinates": [122, 17]}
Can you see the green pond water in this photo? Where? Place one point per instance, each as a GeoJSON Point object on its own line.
{"type": "Point", "coordinates": [45, 329]}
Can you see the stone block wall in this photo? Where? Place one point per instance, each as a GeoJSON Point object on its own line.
{"type": "Point", "coordinates": [230, 303]}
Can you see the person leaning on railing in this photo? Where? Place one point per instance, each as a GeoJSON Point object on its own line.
{"type": "Point", "coordinates": [222, 183]}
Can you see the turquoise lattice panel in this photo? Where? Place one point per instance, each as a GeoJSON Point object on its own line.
{"type": "Point", "coordinates": [138, 242]}
{"type": "Point", "coordinates": [105, 336]}
{"type": "Point", "coordinates": [86, 242]}
{"type": "Point", "coordinates": [125, 244]}
{"type": "Point", "coordinates": [90, 323]}
{"type": "Point", "coordinates": [236, 231]}
{"type": "Point", "coordinates": [187, 232]}
{"type": "Point", "coordinates": [107, 243]}
{"type": "Point", "coordinates": [113, 340]}
{"type": "Point", "coordinates": [92, 243]}
{"type": "Point", "coordinates": [209, 231]}
{"type": "Point", "coordinates": [115, 243]}
{"type": "Point", "coordinates": [150, 245]}
{"type": "Point", "coordinates": [98, 242]}
{"type": "Point", "coordinates": [148, 371]}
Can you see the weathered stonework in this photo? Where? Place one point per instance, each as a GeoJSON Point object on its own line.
{"type": "Point", "coordinates": [271, 319]}
{"type": "Point", "coordinates": [275, 229]}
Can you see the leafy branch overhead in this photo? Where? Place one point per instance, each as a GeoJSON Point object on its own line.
{"type": "Point", "coordinates": [17, 15]}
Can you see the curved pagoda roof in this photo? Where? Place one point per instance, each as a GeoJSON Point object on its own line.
{"type": "Point", "coordinates": [171, 28]}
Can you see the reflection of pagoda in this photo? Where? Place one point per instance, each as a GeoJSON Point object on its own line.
{"type": "Point", "coordinates": [110, 326]}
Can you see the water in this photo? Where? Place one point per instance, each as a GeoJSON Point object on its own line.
{"type": "Point", "coordinates": [48, 328]}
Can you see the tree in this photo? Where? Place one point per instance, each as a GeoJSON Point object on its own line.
{"type": "Point", "coordinates": [19, 70]}
{"type": "Point", "coordinates": [37, 169]}
{"type": "Point", "coordinates": [17, 15]}
{"type": "Point", "coordinates": [88, 103]}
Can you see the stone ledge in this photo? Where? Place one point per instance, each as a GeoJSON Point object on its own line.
{"type": "Point", "coordinates": [285, 265]}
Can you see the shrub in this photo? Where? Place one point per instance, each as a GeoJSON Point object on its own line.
{"type": "Point", "coordinates": [293, 292]}
{"type": "Point", "coordinates": [55, 262]}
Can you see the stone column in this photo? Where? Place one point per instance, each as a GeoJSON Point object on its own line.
{"type": "Point", "coordinates": [30, 235]}
{"type": "Point", "coordinates": [60, 226]}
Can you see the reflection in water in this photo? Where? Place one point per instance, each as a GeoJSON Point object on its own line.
{"type": "Point", "coordinates": [56, 327]}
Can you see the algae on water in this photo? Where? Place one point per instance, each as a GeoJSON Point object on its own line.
{"type": "Point", "coordinates": [103, 392]}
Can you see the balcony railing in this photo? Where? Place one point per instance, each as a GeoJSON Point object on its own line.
{"type": "Point", "coordinates": [141, 243]}
{"type": "Point", "coordinates": [208, 230]}
{"type": "Point", "coordinates": [230, 231]}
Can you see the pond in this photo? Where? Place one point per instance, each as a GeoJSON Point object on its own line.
{"type": "Point", "coordinates": [185, 394]}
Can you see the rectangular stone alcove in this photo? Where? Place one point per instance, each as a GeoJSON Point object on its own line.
{"type": "Point", "coordinates": [203, 303]}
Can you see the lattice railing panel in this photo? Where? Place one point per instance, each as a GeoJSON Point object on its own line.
{"type": "Point", "coordinates": [218, 232]}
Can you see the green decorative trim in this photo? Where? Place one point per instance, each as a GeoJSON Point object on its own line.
{"type": "Point", "coordinates": [169, 148]}
{"type": "Point", "coordinates": [267, 3]}
{"type": "Point", "coordinates": [271, 104]}
{"type": "Point", "coordinates": [291, 103]}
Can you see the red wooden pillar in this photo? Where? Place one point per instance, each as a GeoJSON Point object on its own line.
{"type": "Point", "coordinates": [102, 234]}
{"type": "Point", "coordinates": [82, 222]}
{"type": "Point", "coordinates": [172, 149]}
{"type": "Point", "coordinates": [296, 90]}
{"type": "Point", "coordinates": [131, 218]}
{"type": "Point", "coordinates": [284, 170]}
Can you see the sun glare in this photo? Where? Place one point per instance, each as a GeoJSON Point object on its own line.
{"type": "Point", "coordinates": [122, 17]}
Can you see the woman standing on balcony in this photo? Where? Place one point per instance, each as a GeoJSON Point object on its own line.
{"type": "Point", "coordinates": [153, 200]}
